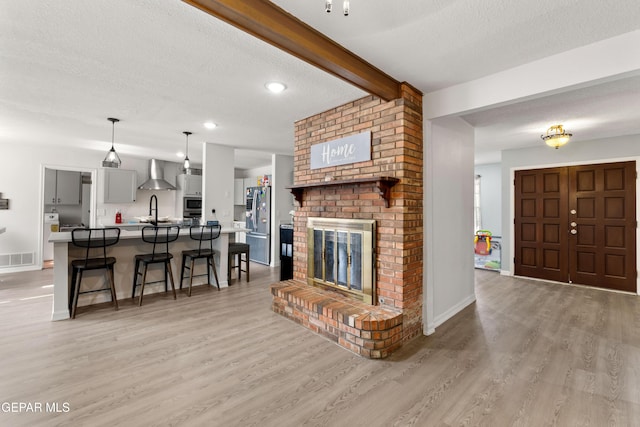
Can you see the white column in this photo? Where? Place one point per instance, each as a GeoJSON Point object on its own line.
{"type": "Point", "coordinates": [61, 281]}
{"type": "Point", "coordinates": [448, 283]}
{"type": "Point", "coordinates": [217, 193]}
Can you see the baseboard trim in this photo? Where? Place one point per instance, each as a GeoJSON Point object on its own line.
{"type": "Point", "coordinates": [439, 320]}
{"type": "Point", "coordinates": [60, 315]}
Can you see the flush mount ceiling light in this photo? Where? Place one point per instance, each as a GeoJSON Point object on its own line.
{"type": "Point", "coordinates": [187, 163]}
{"type": "Point", "coordinates": [112, 160]}
{"type": "Point", "coordinates": [556, 136]}
{"type": "Point", "coordinates": [328, 5]}
{"type": "Point", "coordinates": [210, 125]}
{"type": "Point", "coordinates": [275, 87]}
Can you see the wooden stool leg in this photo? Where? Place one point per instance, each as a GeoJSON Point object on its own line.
{"type": "Point", "coordinates": [166, 282]}
{"type": "Point", "coordinates": [72, 291]}
{"type": "Point", "coordinates": [75, 295]}
{"type": "Point", "coordinates": [247, 264]}
{"type": "Point", "coordinates": [173, 287]}
{"type": "Point", "coordinates": [193, 260]}
{"type": "Point", "coordinates": [135, 279]}
{"type": "Point", "coordinates": [184, 258]}
{"type": "Point", "coordinates": [209, 272]}
{"type": "Point", "coordinates": [239, 265]}
{"type": "Point", "coordinates": [215, 272]}
{"type": "Point", "coordinates": [112, 285]}
{"type": "Point", "coordinates": [144, 280]}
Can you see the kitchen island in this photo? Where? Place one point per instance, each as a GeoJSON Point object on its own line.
{"type": "Point", "coordinates": [124, 251]}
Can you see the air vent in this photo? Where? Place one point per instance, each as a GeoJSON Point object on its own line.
{"type": "Point", "coordinates": [16, 260]}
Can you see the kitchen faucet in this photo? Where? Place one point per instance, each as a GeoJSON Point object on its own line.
{"type": "Point", "coordinates": [153, 209]}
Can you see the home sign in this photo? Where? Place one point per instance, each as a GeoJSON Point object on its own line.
{"type": "Point", "coordinates": [342, 151]}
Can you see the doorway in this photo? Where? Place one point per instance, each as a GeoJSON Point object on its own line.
{"type": "Point", "coordinates": [577, 224]}
{"type": "Point", "coordinates": [67, 200]}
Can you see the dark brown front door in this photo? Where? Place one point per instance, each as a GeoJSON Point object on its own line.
{"type": "Point", "coordinates": [577, 224]}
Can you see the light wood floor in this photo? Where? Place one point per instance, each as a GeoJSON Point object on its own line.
{"type": "Point", "coordinates": [527, 353]}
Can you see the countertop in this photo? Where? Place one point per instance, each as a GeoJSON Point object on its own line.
{"type": "Point", "coordinates": [65, 236]}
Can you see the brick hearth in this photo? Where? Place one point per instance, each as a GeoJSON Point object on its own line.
{"type": "Point", "coordinates": [367, 330]}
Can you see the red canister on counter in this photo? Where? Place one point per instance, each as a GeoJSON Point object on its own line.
{"type": "Point", "coordinates": [118, 217]}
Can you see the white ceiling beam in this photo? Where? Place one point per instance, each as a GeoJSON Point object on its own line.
{"type": "Point", "coordinates": [592, 64]}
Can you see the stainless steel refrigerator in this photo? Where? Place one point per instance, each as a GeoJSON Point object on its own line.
{"type": "Point", "coordinates": [259, 223]}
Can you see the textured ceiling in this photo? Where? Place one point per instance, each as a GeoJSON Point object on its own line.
{"type": "Point", "coordinates": [438, 43]}
{"type": "Point", "coordinates": [163, 67]}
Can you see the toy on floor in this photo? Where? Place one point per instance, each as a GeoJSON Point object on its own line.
{"type": "Point", "coordinates": [482, 242]}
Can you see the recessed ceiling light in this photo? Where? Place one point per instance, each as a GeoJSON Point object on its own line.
{"type": "Point", "coordinates": [210, 125]}
{"type": "Point", "coordinates": [275, 87]}
{"type": "Point", "coordinates": [180, 154]}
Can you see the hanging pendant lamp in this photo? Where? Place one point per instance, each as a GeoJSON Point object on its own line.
{"type": "Point", "coordinates": [187, 163]}
{"type": "Point", "coordinates": [112, 160]}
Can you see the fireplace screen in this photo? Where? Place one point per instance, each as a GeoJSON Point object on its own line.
{"type": "Point", "coordinates": [341, 255]}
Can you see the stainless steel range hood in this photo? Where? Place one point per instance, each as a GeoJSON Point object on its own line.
{"type": "Point", "coordinates": [156, 177]}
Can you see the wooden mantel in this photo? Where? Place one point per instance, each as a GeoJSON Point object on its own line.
{"type": "Point", "coordinates": [383, 183]}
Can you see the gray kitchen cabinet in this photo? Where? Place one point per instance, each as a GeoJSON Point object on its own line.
{"type": "Point", "coordinates": [191, 185]}
{"type": "Point", "coordinates": [62, 187]}
{"type": "Point", "coordinates": [50, 186]}
{"type": "Point", "coordinates": [120, 185]}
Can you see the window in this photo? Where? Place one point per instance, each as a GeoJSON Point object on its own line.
{"type": "Point", "coordinates": [477, 214]}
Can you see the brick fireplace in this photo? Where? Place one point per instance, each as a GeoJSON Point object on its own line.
{"type": "Point", "coordinates": [386, 190]}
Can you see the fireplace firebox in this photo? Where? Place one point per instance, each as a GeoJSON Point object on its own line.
{"type": "Point", "coordinates": [341, 256]}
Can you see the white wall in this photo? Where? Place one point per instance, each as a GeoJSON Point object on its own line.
{"type": "Point", "coordinates": [258, 172]}
{"type": "Point", "coordinates": [582, 152]}
{"type": "Point", "coordinates": [491, 197]}
{"type": "Point", "coordinates": [448, 183]}
{"type": "Point", "coordinates": [282, 200]}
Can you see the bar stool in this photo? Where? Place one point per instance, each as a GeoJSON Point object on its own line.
{"type": "Point", "coordinates": [160, 237]}
{"type": "Point", "coordinates": [93, 238]}
{"type": "Point", "coordinates": [203, 234]}
{"type": "Point", "coordinates": [236, 250]}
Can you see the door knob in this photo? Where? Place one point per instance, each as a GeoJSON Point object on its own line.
{"type": "Point", "coordinates": [573, 224]}
{"type": "Point", "coordinates": [573, 212]}
{"type": "Point", "coordinates": [574, 231]}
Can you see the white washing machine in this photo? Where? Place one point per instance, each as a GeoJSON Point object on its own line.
{"type": "Point", "coordinates": [51, 225]}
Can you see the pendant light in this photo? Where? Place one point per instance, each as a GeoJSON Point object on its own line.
{"type": "Point", "coordinates": [187, 163]}
{"type": "Point", "coordinates": [112, 160]}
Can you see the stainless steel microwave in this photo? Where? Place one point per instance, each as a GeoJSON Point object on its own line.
{"type": "Point", "coordinates": [192, 206]}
